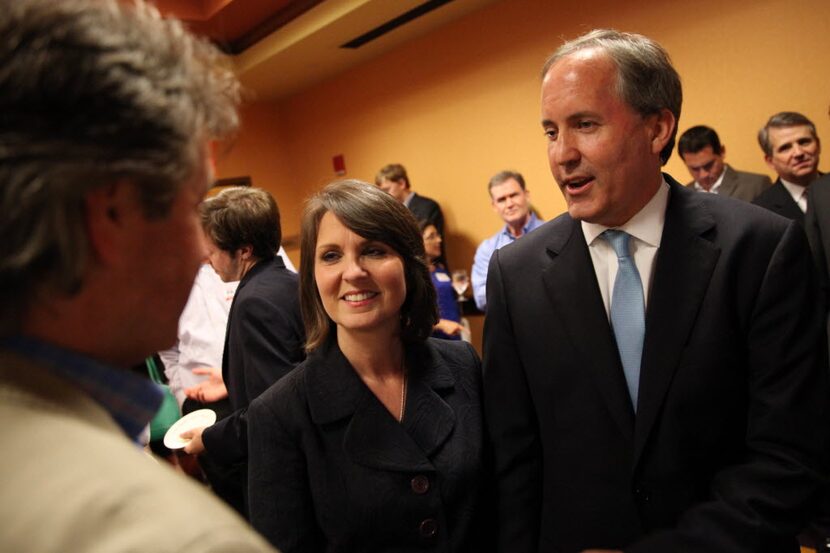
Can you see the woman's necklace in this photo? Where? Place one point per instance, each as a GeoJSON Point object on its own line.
{"type": "Point", "coordinates": [403, 391]}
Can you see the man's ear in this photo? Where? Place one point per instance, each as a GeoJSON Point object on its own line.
{"type": "Point", "coordinates": [246, 252]}
{"type": "Point", "coordinates": [106, 209]}
{"type": "Point", "coordinates": [662, 126]}
{"type": "Point", "coordinates": [768, 159]}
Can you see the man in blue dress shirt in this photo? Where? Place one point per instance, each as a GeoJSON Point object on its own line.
{"type": "Point", "coordinates": [511, 200]}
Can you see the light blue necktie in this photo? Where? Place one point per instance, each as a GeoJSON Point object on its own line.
{"type": "Point", "coordinates": [627, 311]}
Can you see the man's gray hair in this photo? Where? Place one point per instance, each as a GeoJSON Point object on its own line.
{"type": "Point", "coordinates": [94, 92]}
{"type": "Point", "coordinates": [646, 79]}
{"type": "Point", "coordinates": [779, 121]}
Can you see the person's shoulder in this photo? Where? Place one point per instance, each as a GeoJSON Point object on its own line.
{"type": "Point", "coordinates": [85, 481]}
{"type": "Point", "coordinates": [490, 242]}
{"type": "Point", "coordinates": [821, 187]}
{"type": "Point", "coordinates": [424, 200]}
{"type": "Point", "coordinates": [451, 350]}
{"type": "Point", "coordinates": [771, 195]}
{"type": "Point", "coordinates": [273, 284]}
{"type": "Point", "coordinates": [736, 221]}
{"type": "Point", "coordinates": [749, 174]}
{"type": "Point", "coordinates": [286, 394]}
{"type": "Point", "coordinates": [747, 177]}
{"type": "Point", "coordinates": [457, 356]}
{"type": "Point", "coordinates": [533, 243]}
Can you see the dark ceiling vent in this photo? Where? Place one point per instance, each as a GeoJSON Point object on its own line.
{"type": "Point", "coordinates": [393, 24]}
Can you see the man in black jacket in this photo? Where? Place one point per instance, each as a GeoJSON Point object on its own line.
{"type": "Point", "coordinates": [265, 337]}
{"type": "Point", "coordinates": [791, 148]}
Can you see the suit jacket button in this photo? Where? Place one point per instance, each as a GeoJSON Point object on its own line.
{"type": "Point", "coordinates": [420, 484]}
{"type": "Point", "coordinates": [428, 528]}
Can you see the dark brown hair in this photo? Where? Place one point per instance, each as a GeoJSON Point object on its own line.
{"type": "Point", "coordinates": [238, 217]}
{"type": "Point", "coordinates": [394, 172]}
{"type": "Point", "coordinates": [374, 215]}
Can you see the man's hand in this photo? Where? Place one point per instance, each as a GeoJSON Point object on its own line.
{"type": "Point", "coordinates": [448, 327]}
{"type": "Point", "coordinates": [194, 446]}
{"type": "Point", "coordinates": [212, 389]}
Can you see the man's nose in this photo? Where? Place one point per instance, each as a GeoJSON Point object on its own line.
{"type": "Point", "coordinates": [563, 151]}
{"type": "Point", "coordinates": [798, 150]}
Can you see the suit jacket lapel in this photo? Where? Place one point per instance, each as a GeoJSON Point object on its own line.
{"type": "Point", "coordinates": [729, 182]}
{"type": "Point", "coordinates": [373, 438]}
{"type": "Point", "coordinates": [429, 420]}
{"type": "Point", "coordinates": [684, 266]}
{"type": "Point", "coordinates": [571, 283]}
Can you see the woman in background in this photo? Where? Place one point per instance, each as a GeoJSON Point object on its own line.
{"type": "Point", "coordinates": [449, 317]}
{"type": "Point", "coordinates": [374, 443]}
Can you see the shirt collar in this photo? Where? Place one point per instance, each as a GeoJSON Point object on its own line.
{"type": "Point", "coordinates": [132, 401]}
{"type": "Point", "coordinates": [408, 199]}
{"type": "Point", "coordinates": [717, 183]}
{"type": "Point", "coordinates": [532, 223]}
{"type": "Point", "coordinates": [795, 190]}
{"type": "Point", "coordinates": [646, 225]}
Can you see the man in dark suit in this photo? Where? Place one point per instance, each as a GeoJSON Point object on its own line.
{"type": "Point", "coordinates": [651, 370]}
{"type": "Point", "coordinates": [817, 224]}
{"type": "Point", "coordinates": [393, 180]}
{"type": "Point", "coordinates": [265, 336]}
{"type": "Point", "coordinates": [791, 148]}
{"type": "Point", "coordinates": [702, 152]}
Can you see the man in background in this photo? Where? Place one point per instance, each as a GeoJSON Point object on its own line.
{"type": "Point", "coordinates": [791, 149]}
{"type": "Point", "coordinates": [197, 353]}
{"type": "Point", "coordinates": [265, 335]}
{"type": "Point", "coordinates": [702, 152]}
{"type": "Point", "coordinates": [511, 201]}
{"type": "Point", "coordinates": [652, 358]}
{"type": "Point", "coordinates": [393, 180]}
{"type": "Point", "coordinates": [108, 111]}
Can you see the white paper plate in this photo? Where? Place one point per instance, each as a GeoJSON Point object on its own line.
{"type": "Point", "coordinates": [196, 419]}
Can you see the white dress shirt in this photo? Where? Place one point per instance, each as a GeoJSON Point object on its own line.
{"type": "Point", "coordinates": [202, 328]}
{"type": "Point", "coordinates": [646, 230]}
{"type": "Point", "coordinates": [798, 192]}
{"type": "Point", "coordinates": [715, 186]}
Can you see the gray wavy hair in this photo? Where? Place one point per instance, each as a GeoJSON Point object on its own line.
{"type": "Point", "coordinates": [93, 92]}
{"type": "Point", "coordinates": [646, 78]}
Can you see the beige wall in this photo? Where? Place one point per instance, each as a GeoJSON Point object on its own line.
{"type": "Point", "coordinates": [461, 103]}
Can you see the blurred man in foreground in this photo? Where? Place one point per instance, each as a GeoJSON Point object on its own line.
{"type": "Point", "coordinates": [107, 116]}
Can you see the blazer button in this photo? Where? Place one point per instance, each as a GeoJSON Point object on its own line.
{"type": "Point", "coordinates": [642, 494]}
{"type": "Point", "coordinates": [428, 528]}
{"type": "Point", "coordinates": [420, 484]}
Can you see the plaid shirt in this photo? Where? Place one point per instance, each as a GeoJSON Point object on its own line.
{"type": "Point", "coordinates": [131, 400]}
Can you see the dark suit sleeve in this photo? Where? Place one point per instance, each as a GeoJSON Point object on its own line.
{"type": "Point", "coordinates": [270, 341]}
{"type": "Point", "coordinates": [272, 346]}
{"type": "Point", "coordinates": [226, 441]}
{"type": "Point", "coordinates": [763, 499]}
{"type": "Point", "coordinates": [279, 497]}
{"type": "Point", "coordinates": [511, 426]}
{"type": "Point", "coordinates": [813, 227]}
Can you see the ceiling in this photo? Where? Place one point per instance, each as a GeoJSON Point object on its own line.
{"type": "Point", "coordinates": [281, 47]}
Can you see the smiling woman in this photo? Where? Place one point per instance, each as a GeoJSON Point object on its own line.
{"type": "Point", "coordinates": [375, 442]}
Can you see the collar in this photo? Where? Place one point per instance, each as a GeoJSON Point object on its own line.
{"type": "Point", "coordinates": [335, 390]}
{"type": "Point", "coordinates": [646, 225]}
{"type": "Point", "coordinates": [260, 266]}
{"type": "Point", "coordinates": [795, 190]}
{"type": "Point", "coordinates": [716, 184]}
{"type": "Point", "coordinates": [408, 199]}
{"type": "Point", "coordinates": [532, 223]}
{"type": "Point", "coordinates": [372, 436]}
{"type": "Point", "coordinates": [132, 401]}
